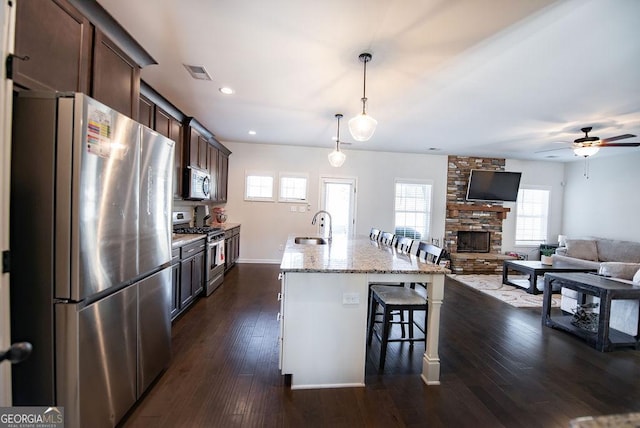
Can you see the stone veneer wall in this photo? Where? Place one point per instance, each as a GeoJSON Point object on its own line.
{"type": "Point", "coordinates": [458, 173]}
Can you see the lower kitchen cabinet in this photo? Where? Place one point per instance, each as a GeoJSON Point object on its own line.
{"type": "Point", "coordinates": [175, 282]}
{"type": "Point", "coordinates": [188, 276]}
{"type": "Point", "coordinates": [231, 247]}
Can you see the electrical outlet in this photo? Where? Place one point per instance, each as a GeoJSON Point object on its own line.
{"type": "Point", "coordinates": [292, 208]}
{"type": "Point", "coordinates": [350, 298]}
{"type": "Point", "coordinates": [280, 247]}
{"type": "Point", "coordinates": [302, 209]}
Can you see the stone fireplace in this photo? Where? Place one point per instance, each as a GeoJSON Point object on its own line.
{"type": "Point", "coordinates": [471, 241]}
{"type": "Point", "coordinates": [473, 231]}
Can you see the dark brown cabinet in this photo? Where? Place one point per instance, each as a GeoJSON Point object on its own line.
{"type": "Point", "coordinates": [116, 77]}
{"type": "Point", "coordinates": [213, 172]}
{"type": "Point", "coordinates": [57, 38]}
{"type": "Point", "coordinates": [223, 175]}
{"type": "Point", "coordinates": [175, 282]}
{"type": "Point", "coordinates": [171, 128]}
{"type": "Point", "coordinates": [198, 150]}
{"type": "Point", "coordinates": [145, 112]}
{"type": "Point", "coordinates": [191, 272]}
{"type": "Point", "coordinates": [231, 247]}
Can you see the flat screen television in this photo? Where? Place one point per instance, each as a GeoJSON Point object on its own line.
{"type": "Point", "coordinates": [494, 186]}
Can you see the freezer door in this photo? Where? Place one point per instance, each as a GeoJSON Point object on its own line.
{"type": "Point", "coordinates": [154, 327]}
{"type": "Point", "coordinates": [156, 196]}
{"type": "Point", "coordinates": [96, 359]}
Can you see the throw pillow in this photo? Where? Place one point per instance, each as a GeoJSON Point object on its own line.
{"type": "Point", "coordinates": [582, 249]}
{"type": "Point", "coordinates": [619, 270]}
{"type": "Point", "coordinates": [636, 277]}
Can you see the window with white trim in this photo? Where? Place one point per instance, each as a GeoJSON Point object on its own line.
{"type": "Point", "coordinates": [413, 208]}
{"type": "Point", "coordinates": [258, 186]}
{"type": "Point", "coordinates": [532, 213]}
{"type": "Point", "coordinates": [293, 187]}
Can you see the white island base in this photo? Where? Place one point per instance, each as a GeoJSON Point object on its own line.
{"type": "Point", "coordinates": [324, 322]}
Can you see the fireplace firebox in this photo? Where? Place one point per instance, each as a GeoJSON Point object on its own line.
{"type": "Point", "coordinates": [472, 241]}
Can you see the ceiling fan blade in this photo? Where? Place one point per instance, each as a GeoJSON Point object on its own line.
{"type": "Point", "coordinates": [619, 145]}
{"type": "Point", "coordinates": [619, 137]}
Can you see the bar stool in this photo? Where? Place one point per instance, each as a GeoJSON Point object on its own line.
{"type": "Point", "coordinates": [374, 234]}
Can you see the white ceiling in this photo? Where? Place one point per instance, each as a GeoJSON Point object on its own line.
{"type": "Point", "coordinates": [497, 78]}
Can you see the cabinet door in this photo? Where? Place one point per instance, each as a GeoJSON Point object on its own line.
{"type": "Point", "coordinates": [175, 290]}
{"type": "Point", "coordinates": [116, 78]}
{"type": "Point", "coordinates": [193, 147]}
{"type": "Point", "coordinates": [145, 112]}
{"type": "Point", "coordinates": [223, 176]}
{"type": "Point", "coordinates": [57, 39]}
{"type": "Point", "coordinates": [186, 296]}
{"type": "Point", "coordinates": [227, 253]}
{"type": "Point", "coordinates": [213, 172]}
{"type": "Point", "coordinates": [197, 274]}
{"type": "Point", "coordinates": [203, 153]}
{"type": "Point", "coordinates": [172, 128]}
{"type": "Point", "coordinates": [236, 248]}
{"type": "Point", "coordinates": [175, 128]}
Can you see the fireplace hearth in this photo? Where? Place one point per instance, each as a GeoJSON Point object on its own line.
{"type": "Point", "coordinates": [473, 241]}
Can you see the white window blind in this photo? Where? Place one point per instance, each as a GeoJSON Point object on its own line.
{"type": "Point", "coordinates": [532, 216]}
{"type": "Point", "coordinates": [412, 209]}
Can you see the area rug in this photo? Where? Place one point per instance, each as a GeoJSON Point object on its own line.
{"type": "Point", "coordinates": [492, 285]}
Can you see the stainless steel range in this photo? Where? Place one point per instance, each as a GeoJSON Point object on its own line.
{"type": "Point", "coordinates": [214, 255]}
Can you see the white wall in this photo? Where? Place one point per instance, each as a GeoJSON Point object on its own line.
{"type": "Point", "coordinates": [545, 175]}
{"type": "Point", "coordinates": [266, 225]}
{"type": "Point", "coordinates": [607, 203]}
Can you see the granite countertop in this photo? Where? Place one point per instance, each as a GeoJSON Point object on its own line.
{"type": "Point", "coordinates": [182, 239]}
{"type": "Point", "coordinates": [625, 420]}
{"type": "Point", "coordinates": [225, 226]}
{"type": "Point", "coordinates": [353, 255]}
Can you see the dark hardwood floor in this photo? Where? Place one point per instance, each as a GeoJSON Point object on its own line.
{"type": "Point", "coordinates": [500, 368]}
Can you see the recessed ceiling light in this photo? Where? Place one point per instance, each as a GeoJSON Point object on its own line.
{"type": "Point", "coordinates": [252, 132]}
{"type": "Point", "coordinates": [226, 90]}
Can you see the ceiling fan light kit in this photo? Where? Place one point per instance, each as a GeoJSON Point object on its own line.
{"type": "Point", "coordinates": [336, 157]}
{"type": "Point", "coordinates": [586, 151]}
{"type": "Point", "coordinates": [363, 126]}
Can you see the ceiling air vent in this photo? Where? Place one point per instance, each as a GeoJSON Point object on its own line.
{"type": "Point", "coordinates": [197, 72]}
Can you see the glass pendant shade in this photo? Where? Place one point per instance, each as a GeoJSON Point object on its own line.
{"type": "Point", "coordinates": [586, 151]}
{"type": "Point", "coordinates": [362, 127]}
{"type": "Point", "coordinates": [336, 158]}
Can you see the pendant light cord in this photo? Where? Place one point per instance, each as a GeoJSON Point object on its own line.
{"type": "Point", "coordinates": [338, 116]}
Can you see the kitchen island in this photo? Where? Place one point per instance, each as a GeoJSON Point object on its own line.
{"type": "Point", "coordinates": [323, 308]}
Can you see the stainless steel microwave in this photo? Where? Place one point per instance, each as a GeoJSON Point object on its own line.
{"type": "Point", "coordinates": [198, 183]}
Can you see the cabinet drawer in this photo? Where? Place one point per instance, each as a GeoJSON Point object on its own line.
{"type": "Point", "coordinates": [192, 249]}
{"type": "Point", "coordinates": [175, 255]}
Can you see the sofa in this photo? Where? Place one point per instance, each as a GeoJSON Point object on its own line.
{"type": "Point", "coordinates": [619, 261]}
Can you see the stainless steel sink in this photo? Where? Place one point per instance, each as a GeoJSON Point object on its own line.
{"type": "Point", "coordinates": [309, 240]}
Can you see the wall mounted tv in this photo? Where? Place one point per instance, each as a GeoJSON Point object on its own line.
{"type": "Point", "coordinates": [494, 186]}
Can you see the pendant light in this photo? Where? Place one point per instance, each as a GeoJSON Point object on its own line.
{"type": "Point", "coordinates": [336, 157]}
{"type": "Point", "coordinates": [363, 126]}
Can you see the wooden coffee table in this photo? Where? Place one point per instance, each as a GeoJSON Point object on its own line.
{"type": "Point", "coordinates": [606, 338]}
{"type": "Point", "coordinates": [534, 268]}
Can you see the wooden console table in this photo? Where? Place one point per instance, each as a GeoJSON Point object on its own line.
{"type": "Point", "coordinates": [606, 338]}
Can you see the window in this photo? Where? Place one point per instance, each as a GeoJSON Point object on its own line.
{"type": "Point", "coordinates": [532, 208]}
{"type": "Point", "coordinates": [413, 209]}
{"type": "Point", "coordinates": [258, 186]}
{"type": "Point", "coordinates": [293, 187]}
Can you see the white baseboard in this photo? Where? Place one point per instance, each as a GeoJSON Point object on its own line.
{"type": "Point", "coordinates": [267, 261]}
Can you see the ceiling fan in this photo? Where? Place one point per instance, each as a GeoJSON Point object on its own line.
{"type": "Point", "coordinates": [588, 146]}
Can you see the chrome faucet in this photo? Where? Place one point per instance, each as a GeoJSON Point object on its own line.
{"type": "Point", "coordinates": [315, 218]}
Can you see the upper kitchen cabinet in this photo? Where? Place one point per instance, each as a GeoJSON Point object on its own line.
{"type": "Point", "coordinates": [167, 120]}
{"type": "Point", "coordinates": [57, 39]}
{"type": "Point", "coordinates": [116, 77]}
{"type": "Point", "coordinates": [75, 45]}
{"type": "Point", "coordinates": [223, 174]}
{"type": "Point", "coordinates": [213, 172]}
{"type": "Point", "coordinates": [196, 139]}
{"type": "Point", "coordinates": [145, 111]}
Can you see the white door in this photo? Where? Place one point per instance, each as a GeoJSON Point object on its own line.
{"type": "Point", "coordinates": [338, 197]}
{"type": "Point", "coordinates": [7, 19]}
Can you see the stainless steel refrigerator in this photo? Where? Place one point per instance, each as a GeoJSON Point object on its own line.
{"type": "Point", "coordinates": [90, 225]}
